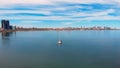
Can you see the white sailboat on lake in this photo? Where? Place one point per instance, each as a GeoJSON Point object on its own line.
{"type": "Point", "coordinates": [59, 41]}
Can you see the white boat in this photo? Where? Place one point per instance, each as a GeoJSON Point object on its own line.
{"type": "Point", "coordinates": [59, 41]}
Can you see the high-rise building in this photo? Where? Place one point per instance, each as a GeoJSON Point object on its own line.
{"type": "Point", "coordinates": [5, 24]}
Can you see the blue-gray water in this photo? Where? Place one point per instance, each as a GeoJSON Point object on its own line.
{"type": "Point", "coordinates": [80, 49]}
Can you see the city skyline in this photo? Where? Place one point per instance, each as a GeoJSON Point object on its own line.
{"type": "Point", "coordinates": [61, 13]}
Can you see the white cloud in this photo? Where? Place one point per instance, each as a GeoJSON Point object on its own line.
{"type": "Point", "coordinates": [83, 1]}
{"type": "Point", "coordinates": [24, 11]}
{"type": "Point", "coordinates": [95, 15]}
{"type": "Point", "coordinates": [92, 14]}
{"type": "Point", "coordinates": [67, 23]}
{"type": "Point", "coordinates": [105, 17]}
{"type": "Point", "coordinates": [11, 2]}
{"type": "Point", "coordinates": [8, 2]}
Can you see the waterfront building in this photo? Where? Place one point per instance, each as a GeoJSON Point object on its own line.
{"type": "Point", "coordinates": [13, 27]}
{"type": "Point", "coordinates": [107, 28]}
{"type": "Point", "coordinates": [5, 24]}
{"type": "Point", "coordinates": [10, 27]}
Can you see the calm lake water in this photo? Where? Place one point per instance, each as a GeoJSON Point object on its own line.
{"type": "Point", "coordinates": [80, 49]}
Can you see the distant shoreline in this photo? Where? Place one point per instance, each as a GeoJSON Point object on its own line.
{"type": "Point", "coordinates": [53, 30]}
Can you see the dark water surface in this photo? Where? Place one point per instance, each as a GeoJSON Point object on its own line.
{"type": "Point", "coordinates": [80, 49]}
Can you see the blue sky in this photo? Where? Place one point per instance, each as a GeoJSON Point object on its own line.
{"type": "Point", "coordinates": [61, 13]}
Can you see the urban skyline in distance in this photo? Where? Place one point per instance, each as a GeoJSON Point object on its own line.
{"type": "Point", "coordinates": [61, 13]}
{"type": "Point", "coordinates": [7, 27]}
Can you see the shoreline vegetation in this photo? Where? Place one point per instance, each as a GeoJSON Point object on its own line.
{"type": "Point", "coordinates": [56, 29]}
